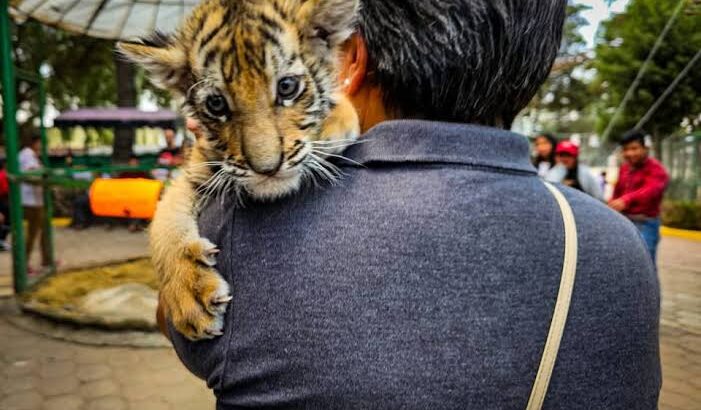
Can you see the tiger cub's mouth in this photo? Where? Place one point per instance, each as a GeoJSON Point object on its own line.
{"type": "Point", "coordinates": [308, 164]}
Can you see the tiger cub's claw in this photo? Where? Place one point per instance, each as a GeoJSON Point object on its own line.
{"type": "Point", "coordinates": [196, 303]}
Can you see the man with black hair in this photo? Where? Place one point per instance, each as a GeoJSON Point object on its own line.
{"type": "Point", "coordinates": [172, 154]}
{"type": "Point", "coordinates": [641, 185]}
{"type": "Point", "coordinates": [428, 278]}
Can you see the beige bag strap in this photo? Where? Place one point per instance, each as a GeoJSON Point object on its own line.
{"type": "Point", "coordinates": [562, 306]}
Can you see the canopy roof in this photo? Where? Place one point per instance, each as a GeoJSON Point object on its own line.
{"type": "Point", "coordinates": [110, 19]}
{"type": "Point", "coordinates": [116, 117]}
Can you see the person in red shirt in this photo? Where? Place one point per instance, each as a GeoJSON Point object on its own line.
{"type": "Point", "coordinates": [641, 185]}
{"type": "Point", "coordinates": [4, 208]}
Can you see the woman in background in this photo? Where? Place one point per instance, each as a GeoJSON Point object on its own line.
{"type": "Point", "coordinates": [571, 173]}
{"type": "Point", "coordinates": [544, 158]}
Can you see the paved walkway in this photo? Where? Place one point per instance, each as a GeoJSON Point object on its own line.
{"type": "Point", "coordinates": [41, 373]}
{"type": "Point", "coordinates": [76, 249]}
{"type": "Point", "coordinates": [680, 330]}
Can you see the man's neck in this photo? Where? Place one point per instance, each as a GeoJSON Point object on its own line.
{"type": "Point", "coordinates": [640, 164]}
{"type": "Point", "coordinates": [370, 107]}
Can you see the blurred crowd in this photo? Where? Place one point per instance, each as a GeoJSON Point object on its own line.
{"type": "Point", "coordinates": [639, 188]}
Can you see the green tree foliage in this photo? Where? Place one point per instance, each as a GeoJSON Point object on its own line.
{"type": "Point", "coordinates": [624, 44]}
{"type": "Point", "coordinates": [80, 71]}
{"type": "Point", "coordinates": [567, 89]}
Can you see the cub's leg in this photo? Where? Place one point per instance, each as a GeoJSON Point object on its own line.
{"type": "Point", "coordinates": [193, 294]}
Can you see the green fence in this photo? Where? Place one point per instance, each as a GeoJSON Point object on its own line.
{"type": "Point", "coordinates": [682, 157]}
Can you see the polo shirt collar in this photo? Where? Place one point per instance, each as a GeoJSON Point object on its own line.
{"type": "Point", "coordinates": [417, 141]}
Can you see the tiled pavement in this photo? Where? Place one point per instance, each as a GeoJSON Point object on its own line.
{"type": "Point", "coordinates": [89, 247]}
{"type": "Point", "coordinates": [41, 373]}
{"type": "Point", "coordinates": [680, 330]}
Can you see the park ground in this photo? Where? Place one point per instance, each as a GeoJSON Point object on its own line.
{"type": "Point", "coordinates": [38, 372]}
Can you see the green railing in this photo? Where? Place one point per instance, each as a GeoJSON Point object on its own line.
{"type": "Point", "coordinates": [52, 173]}
{"type": "Point", "coordinates": [9, 108]}
{"type": "Point", "coordinates": [682, 157]}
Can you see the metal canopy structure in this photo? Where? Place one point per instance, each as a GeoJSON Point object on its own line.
{"type": "Point", "coordinates": [108, 19]}
{"type": "Point", "coordinates": [116, 117]}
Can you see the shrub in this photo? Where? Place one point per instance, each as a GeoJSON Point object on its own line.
{"type": "Point", "coordinates": [682, 214]}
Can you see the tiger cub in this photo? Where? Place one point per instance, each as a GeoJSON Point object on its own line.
{"type": "Point", "coordinates": [261, 79]}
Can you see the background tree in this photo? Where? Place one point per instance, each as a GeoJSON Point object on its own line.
{"type": "Point", "coordinates": [80, 72]}
{"type": "Point", "coordinates": [566, 95]}
{"type": "Point", "coordinates": [624, 44]}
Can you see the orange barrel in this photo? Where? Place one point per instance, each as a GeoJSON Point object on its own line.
{"type": "Point", "coordinates": [125, 198]}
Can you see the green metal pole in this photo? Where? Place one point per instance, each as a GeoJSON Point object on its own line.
{"type": "Point", "coordinates": [9, 108]}
{"type": "Point", "coordinates": [48, 231]}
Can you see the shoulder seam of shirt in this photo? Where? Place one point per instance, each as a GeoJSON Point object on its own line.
{"type": "Point", "coordinates": [477, 166]}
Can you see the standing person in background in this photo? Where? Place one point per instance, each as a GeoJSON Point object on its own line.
{"type": "Point", "coordinates": [603, 181]}
{"type": "Point", "coordinates": [82, 217]}
{"type": "Point", "coordinates": [33, 203]}
{"type": "Point", "coordinates": [170, 156]}
{"type": "Point", "coordinates": [570, 172]}
{"type": "Point", "coordinates": [544, 158]}
{"type": "Point", "coordinates": [135, 225]}
{"type": "Point", "coordinates": [642, 182]}
{"type": "Point", "coordinates": [4, 207]}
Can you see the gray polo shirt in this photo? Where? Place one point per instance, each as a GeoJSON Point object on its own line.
{"type": "Point", "coordinates": [427, 280]}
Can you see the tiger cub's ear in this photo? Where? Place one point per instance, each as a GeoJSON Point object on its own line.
{"type": "Point", "coordinates": [161, 56]}
{"type": "Point", "coordinates": [330, 20]}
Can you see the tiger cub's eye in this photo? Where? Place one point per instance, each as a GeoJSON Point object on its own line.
{"type": "Point", "coordinates": [288, 88]}
{"type": "Point", "coordinates": [217, 106]}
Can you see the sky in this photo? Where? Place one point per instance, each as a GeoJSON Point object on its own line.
{"type": "Point", "coordinates": [599, 12]}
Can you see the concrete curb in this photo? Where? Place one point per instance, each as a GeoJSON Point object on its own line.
{"type": "Point", "coordinates": [681, 233]}
{"type": "Point", "coordinates": [74, 333]}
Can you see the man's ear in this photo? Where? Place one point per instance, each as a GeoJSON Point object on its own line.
{"type": "Point", "coordinates": [353, 69]}
{"type": "Point", "coordinates": [162, 58]}
{"type": "Point", "coordinates": [330, 20]}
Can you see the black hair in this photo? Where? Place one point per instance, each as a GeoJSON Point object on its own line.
{"type": "Point", "coordinates": [470, 61]}
{"type": "Point", "coordinates": [33, 139]}
{"type": "Point", "coordinates": [550, 137]}
{"type": "Point", "coordinates": [635, 135]}
{"type": "Point", "coordinates": [551, 158]}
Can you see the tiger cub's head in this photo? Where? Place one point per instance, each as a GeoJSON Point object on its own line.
{"type": "Point", "coordinates": [260, 76]}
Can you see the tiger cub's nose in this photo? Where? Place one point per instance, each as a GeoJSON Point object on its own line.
{"type": "Point", "coordinates": [265, 166]}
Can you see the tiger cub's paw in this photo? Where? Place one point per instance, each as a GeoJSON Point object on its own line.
{"type": "Point", "coordinates": [197, 302]}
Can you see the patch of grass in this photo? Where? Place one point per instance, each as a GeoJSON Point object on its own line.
{"type": "Point", "coordinates": [64, 290]}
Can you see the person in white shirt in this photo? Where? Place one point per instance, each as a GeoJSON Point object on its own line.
{"type": "Point", "coordinates": [33, 203]}
{"type": "Point", "coordinates": [570, 172]}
